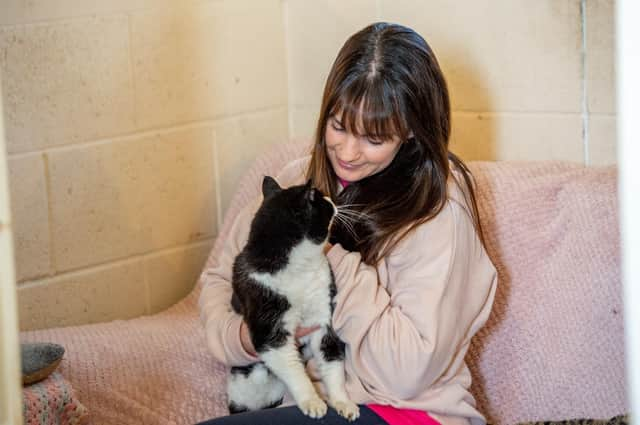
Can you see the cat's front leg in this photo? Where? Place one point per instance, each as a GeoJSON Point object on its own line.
{"type": "Point", "coordinates": [286, 364]}
{"type": "Point", "coordinates": [328, 352]}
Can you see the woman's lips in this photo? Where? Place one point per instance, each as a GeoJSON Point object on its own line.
{"type": "Point", "coordinates": [346, 165]}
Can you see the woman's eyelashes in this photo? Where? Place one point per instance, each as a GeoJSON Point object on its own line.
{"type": "Point", "coordinates": [337, 126]}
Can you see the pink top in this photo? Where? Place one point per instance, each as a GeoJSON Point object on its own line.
{"type": "Point", "coordinates": [394, 416]}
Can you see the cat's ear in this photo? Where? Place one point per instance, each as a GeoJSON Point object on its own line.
{"type": "Point", "coordinates": [311, 193]}
{"type": "Point", "coordinates": [270, 186]}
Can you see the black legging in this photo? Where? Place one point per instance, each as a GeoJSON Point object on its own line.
{"type": "Point", "coordinates": [291, 415]}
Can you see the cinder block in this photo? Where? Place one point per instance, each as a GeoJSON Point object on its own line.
{"type": "Point", "coordinates": [240, 140]}
{"type": "Point", "coordinates": [316, 32]}
{"type": "Point", "coordinates": [207, 60]}
{"type": "Point", "coordinates": [99, 295]}
{"type": "Point", "coordinates": [519, 137]}
{"type": "Point", "coordinates": [602, 140]}
{"type": "Point", "coordinates": [66, 82]}
{"type": "Point", "coordinates": [30, 215]}
{"type": "Point", "coordinates": [116, 199]}
{"type": "Point", "coordinates": [180, 63]}
{"type": "Point", "coordinates": [600, 55]}
{"type": "Point", "coordinates": [13, 12]}
{"type": "Point", "coordinates": [38, 10]}
{"type": "Point", "coordinates": [502, 55]}
{"type": "Point", "coordinates": [172, 275]}
{"type": "Point", "coordinates": [259, 64]}
{"type": "Point", "coordinates": [304, 120]}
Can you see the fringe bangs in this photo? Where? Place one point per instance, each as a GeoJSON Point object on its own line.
{"type": "Point", "coordinates": [368, 107]}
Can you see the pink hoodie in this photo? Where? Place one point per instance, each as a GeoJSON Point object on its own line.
{"type": "Point", "coordinates": [407, 322]}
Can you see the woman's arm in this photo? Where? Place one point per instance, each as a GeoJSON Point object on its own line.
{"type": "Point", "coordinates": [222, 325]}
{"type": "Point", "coordinates": [439, 289]}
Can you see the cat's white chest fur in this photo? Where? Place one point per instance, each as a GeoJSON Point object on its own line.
{"type": "Point", "coordinates": [305, 282]}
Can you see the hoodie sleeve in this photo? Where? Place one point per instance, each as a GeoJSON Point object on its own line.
{"type": "Point", "coordinates": [403, 335]}
{"type": "Point", "coordinates": [221, 323]}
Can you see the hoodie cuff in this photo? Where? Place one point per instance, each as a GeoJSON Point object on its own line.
{"type": "Point", "coordinates": [236, 353]}
{"type": "Point", "coordinates": [336, 254]}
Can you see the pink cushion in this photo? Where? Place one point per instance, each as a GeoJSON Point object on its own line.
{"type": "Point", "coordinates": [553, 347]}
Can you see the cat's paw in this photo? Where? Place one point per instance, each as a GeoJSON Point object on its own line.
{"type": "Point", "coordinates": [347, 409]}
{"type": "Point", "coordinates": [314, 407]}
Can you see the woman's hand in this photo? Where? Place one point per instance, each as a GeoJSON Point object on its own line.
{"type": "Point", "coordinates": [245, 337]}
{"type": "Point", "coordinates": [245, 340]}
{"type": "Point", "coordinates": [300, 332]}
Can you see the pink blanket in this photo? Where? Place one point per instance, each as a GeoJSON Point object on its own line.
{"type": "Point", "coordinates": [552, 349]}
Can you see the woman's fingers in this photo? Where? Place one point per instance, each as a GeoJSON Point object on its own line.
{"type": "Point", "coordinates": [245, 339]}
{"type": "Point", "coordinates": [300, 332]}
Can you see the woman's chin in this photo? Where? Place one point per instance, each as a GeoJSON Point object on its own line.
{"type": "Point", "coordinates": [348, 177]}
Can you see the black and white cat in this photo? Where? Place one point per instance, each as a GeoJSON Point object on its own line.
{"type": "Point", "coordinates": [282, 280]}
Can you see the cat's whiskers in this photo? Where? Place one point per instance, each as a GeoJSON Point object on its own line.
{"type": "Point", "coordinates": [351, 213]}
{"type": "Point", "coordinates": [349, 206]}
{"type": "Point", "coordinates": [348, 217]}
{"type": "Point", "coordinates": [346, 224]}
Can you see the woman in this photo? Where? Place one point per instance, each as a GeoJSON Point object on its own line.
{"type": "Point", "coordinates": [414, 281]}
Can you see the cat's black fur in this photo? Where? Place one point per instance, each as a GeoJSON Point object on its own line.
{"type": "Point", "coordinates": [281, 280]}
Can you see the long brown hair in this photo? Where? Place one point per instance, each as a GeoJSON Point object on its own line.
{"type": "Point", "coordinates": [386, 82]}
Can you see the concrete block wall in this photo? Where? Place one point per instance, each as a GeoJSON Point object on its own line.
{"type": "Point", "coordinates": [128, 124]}
{"type": "Point", "coordinates": [529, 80]}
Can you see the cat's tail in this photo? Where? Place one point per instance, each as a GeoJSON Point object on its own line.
{"type": "Point", "coordinates": [253, 387]}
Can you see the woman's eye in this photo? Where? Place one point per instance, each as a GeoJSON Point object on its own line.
{"type": "Point", "coordinates": [375, 141]}
{"type": "Point", "coordinates": [336, 126]}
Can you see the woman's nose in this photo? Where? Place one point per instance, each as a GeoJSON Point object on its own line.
{"type": "Point", "coordinates": [350, 149]}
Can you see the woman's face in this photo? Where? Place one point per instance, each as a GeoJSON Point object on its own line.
{"type": "Point", "coordinates": [356, 157]}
